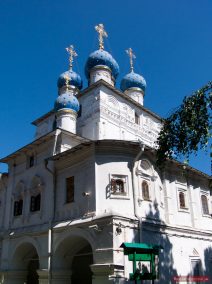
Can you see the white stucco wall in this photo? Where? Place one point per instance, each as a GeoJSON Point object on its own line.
{"type": "Point", "coordinates": [107, 115]}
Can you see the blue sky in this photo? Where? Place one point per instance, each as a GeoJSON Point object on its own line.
{"type": "Point", "coordinates": [172, 41]}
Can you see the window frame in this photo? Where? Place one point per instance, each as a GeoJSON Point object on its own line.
{"type": "Point", "coordinates": [182, 200]}
{"type": "Point", "coordinates": [202, 193]}
{"type": "Point", "coordinates": [36, 199]}
{"type": "Point", "coordinates": [18, 207]}
{"type": "Point", "coordinates": [185, 193]}
{"type": "Point", "coordinates": [67, 201]}
{"type": "Point", "coordinates": [31, 160]}
{"type": "Point", "coordinates": [137, 119]}
{"type": "Point", "coordinates": [119, 194]}
{"type": "Point", "coordinates": [144, 181]}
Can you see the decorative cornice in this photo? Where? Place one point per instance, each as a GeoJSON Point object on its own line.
{"type": "Point", "coordinates": [118, 92]}
{"type": "Point", "coordinates": [162, 228]}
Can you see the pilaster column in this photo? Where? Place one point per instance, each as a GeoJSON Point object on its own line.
{"type": "Point", "coordinates": [107, 273]}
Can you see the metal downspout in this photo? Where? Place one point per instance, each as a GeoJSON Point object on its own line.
{"type": "Point", "coordinates": [133, 187]}
{"type": "Point", "coordinates": [50, 231]}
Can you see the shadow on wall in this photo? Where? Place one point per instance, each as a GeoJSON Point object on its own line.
{"type": "Point", "coordinates": [208, 263]}
{"type": "Point", "coordinates": [153, 232]}
{"type": "Point", "coordinates": [158, 236]}
{"type": "Point", "coordinates": [198, 270]}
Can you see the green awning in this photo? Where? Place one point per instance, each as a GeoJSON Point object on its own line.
{"type": "Point", "coordinates": [140, 248]}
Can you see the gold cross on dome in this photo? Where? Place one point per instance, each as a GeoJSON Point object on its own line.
{"type": "Point", "coordinates": [102, 33]}
{"type": "Point", "coordinates": [132, 56]}
{"type": "Point", "coordinates": [72, 53]}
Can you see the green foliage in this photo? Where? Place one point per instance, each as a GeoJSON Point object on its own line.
{"type": "Point", "coordinates": [187, 129]}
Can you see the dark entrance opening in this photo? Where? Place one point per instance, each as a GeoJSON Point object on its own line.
{"type": "Point", "coordinates": [32, 275]}
{"type": "Point", "coordinates": [81, 272]}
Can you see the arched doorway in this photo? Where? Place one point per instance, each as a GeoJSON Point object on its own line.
{"type": "Point", "coordinates": [73, 256]}
{"type": "Point", "coordinates": [26, 259]}
{"type": "Point", "coordinates": [81, 272]}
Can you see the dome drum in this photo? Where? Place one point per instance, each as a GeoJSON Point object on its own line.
{"type": "Point", "coordinates": [101, 72]}
{"type": "Point", "coordinates": [134, 89]}
{"type": "Point", "coordinates": [137, 94]}
{"type": "Point", "coordinates": [64, 111]}
{"type": "Point", "coordinates": [66, 119]}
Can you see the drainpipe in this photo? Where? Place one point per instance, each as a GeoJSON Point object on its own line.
{"type": "Point", "coordinates": [142, 146]}
{"type": "Point", "coordinates": [57, 132]}
{"type": "Point", "coordinates": [50, 231]}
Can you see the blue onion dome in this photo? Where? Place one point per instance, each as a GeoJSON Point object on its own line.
{"type": "Point", "coordinates": [66, 101]}
{"type": "Point", "coordinates": [74, 79]}
{"type": "Point", "coordinates": [133, 80]}
{"type": "Point", "coordinates": [101, 57]}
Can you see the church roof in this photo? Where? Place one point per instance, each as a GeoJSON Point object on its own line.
{"type": "Point", "coordinates": [43, 117]}
{"type": "Point", "coordinates": [38, 142]}
{"type": "Point", "coordinates": [121, 143]}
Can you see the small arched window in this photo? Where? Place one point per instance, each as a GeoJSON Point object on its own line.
{"type": "Point", "coordinates": [18, 207]}
{"type": "Point", "coordinates": [18, 199]}
{"type": "Point", "coordinates": [35, 203]}
{"type": "Point", "coordinates": [137, 121]}
{"type": "Point", "coordinates": [36, 191]}
{"type": "Point", "coordinates": [182, 200]}
{"type": "Point", "coordinates": [204, 201]}
{"type": "Point", "coordinates": [145, 190]}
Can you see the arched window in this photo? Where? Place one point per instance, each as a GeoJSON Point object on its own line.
{"type": "Point", "coordinates": [182, 200]}
{"type": "Point", "coordinates": [18, 207]}
{"type": "Point", "coordinates": [36, 191]}
{"type": "Point", "coordinates": [70, 189]}
{"type": "Point", "coordinates": [18, 199]}
{"type": "Point", "coordinates": [204, 201]}
{"type": "Point", "coordinates": [137, 121]}
{"type": "Point", "coordinates": [35, 203]}
{"type": "Point", "coordinates": [145, 190]}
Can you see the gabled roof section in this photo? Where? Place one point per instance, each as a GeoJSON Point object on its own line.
{"type": "Point", "coordinates": [43, 117]}
{"type": "Point", "coordinates": [39, 141]}
{"type": "Point", "coordinates": [81, 146]}
{"type": "Point", "coordinates": [29, 146]}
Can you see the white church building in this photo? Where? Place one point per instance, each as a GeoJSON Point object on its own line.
{"type": "Point", "coordinates": [88, 183]}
